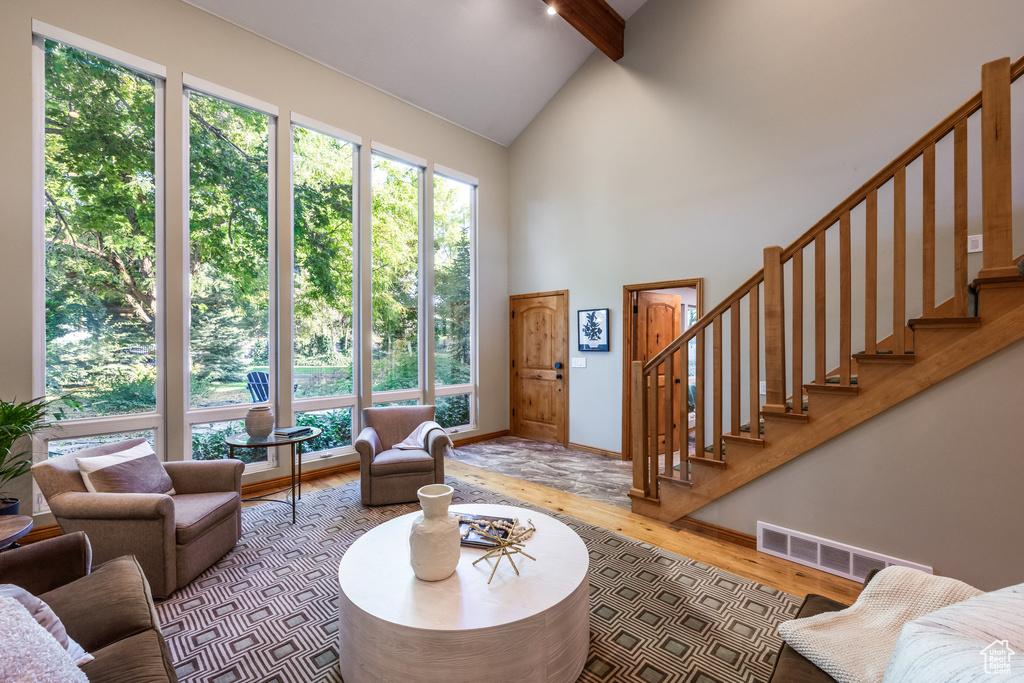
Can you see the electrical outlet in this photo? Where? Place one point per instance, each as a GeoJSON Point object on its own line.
{"type": "Point", "coordinates": [579, 362]}
{"type": "Point", "coordinates": [763, 388]}
{"type": "Point", "coordinates": [973, 244]}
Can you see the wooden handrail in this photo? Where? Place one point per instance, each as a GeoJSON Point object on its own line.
{"type": "Point", "coordinates": [943, 128]}
{"type": "Point", "coordinates": [705, 320]}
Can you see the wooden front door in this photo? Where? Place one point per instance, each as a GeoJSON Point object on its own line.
{"type": "Point", "coordinates": [659, 319]}
{"type": "Point", "coordinates": [540, 378]}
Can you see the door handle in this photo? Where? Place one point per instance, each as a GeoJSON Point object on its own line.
{"type": "Point", "coordinates": [558, 377]}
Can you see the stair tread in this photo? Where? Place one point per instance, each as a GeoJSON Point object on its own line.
{"type": "Point", "coordinates": [831, 388]}
{"type": "Point", "coordinates": [706, 461]}
{"type": "Point", "coordinates": [945, 322]}
{"type": "Point", "coordinates": [867, 358]}
{"type": "Point", "coordinates": [679, 481]}
{"type": "Point", "coordinates": [788, 417]}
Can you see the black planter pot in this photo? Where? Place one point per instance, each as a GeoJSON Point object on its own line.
{"type": "Point", "coordinates": [9, 506]}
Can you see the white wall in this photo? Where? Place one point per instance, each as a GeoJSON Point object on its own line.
{"type": "Point", "coordinates": [732, 125]}
{"type": "Point", "coordinates": [729, 126]}
{"type": "Point", "coordinates": [187, 40]}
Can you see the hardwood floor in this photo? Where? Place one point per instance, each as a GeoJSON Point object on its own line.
{"type": "Point", "coordinates": [770, 571]}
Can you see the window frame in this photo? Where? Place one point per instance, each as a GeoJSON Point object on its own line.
{"type": "Point", "coordinates": [424, 296]}
{"type": "Point", "coordinates": [325, 403]}
{"type": "Point", "coordinates": [203, 415]}
{"type": "Point", "coordinates": [156, 420]}
{"type": "Point", "coordinates": [471, 387]}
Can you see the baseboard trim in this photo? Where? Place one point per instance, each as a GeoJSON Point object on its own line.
{"type": "Point", "coordinates": [477, 438]}
{"type": "Point", "coordinates": [41, 534]}
{"type": "Point", "coordinates": [258, 487]}
{"type": "Point", "coordinates": [248, 490]}
{"type": "Point", "coordinates": [593, 450]}
{"type": "Point", "coordinates": [721, 533]}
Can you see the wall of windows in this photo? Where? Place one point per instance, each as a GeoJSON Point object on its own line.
{"type": "Point", "coordinates": [105, 323]}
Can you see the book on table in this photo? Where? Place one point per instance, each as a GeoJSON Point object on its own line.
{"type": "Point", "coordinates": [473, 539]}
{"type": "Point", "coordinates": [292, 431]}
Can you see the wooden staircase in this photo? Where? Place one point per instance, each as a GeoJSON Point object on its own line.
{"type": "Point", "coordinates": [759, 331]}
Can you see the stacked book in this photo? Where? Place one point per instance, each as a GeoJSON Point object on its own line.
{"type": "Point", "coordinates": [291, 432]}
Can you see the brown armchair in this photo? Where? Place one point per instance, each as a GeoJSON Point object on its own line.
{"type": "Point", "coordinates": [174, 537]}
{"type": "Point", "coordinates": [388, 475]}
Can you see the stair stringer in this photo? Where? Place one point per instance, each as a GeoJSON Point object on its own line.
{"type": "Point", "coordinates": [746, 464]}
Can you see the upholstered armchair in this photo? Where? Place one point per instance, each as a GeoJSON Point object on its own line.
{"type": "Point", "coordinates": [389, 475]}
{"type": "Point", "coordinates": [175, 537]}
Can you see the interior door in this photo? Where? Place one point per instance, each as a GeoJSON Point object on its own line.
{"type": "Point", "coordinates": [659, 319]}
{"type": "Point", "coordinates": [540, 352]}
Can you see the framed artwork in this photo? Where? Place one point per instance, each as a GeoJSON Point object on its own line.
{"type": "Point", "coordinates": [593, 329]}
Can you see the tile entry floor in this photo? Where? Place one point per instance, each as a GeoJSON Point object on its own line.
{"type": "Point", "coordinates": [597, 477]}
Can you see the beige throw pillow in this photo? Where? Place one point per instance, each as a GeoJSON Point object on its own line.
{"type": "Point", "coordinates": [135, 470]}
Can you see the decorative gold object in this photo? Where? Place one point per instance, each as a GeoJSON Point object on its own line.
{"type": "Point", "coordinates": [505, 547]}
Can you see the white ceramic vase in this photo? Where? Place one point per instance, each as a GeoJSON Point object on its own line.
{"type": "Point", "coordinates": [259, 422]}
{"type": "Point", "coordinates": [434, 539]}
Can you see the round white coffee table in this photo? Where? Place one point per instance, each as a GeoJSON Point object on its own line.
{"type": "Point", "coordinates": [531, 627]}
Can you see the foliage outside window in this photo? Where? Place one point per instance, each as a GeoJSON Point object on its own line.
{"type": "Point", "coordinates": [209, 442]}
{"type": "Point", "coordinates": [452, 332]}
{"type": "Point", "coordinates": [100, 234]}
{"type": "Point", "coordinates": [452, 411]}
{"type": "Point", "coordinates": [55, 447]}
{"type": "Point", "coordinates": [229, 284]}
{"type": "Point", "coordinates": [322, 170]}
{"type": "Point", "coordinates": [395, 274]}
{"type": "Point", "coordinates": [335, 424]}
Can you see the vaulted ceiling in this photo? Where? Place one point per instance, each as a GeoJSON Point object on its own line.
{"type": "Point", "coordinates": [487, 65]}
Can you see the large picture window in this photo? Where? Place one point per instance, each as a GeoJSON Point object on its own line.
{"type": "Point", "coordinates": [229, 286]}
{"type": "Point", "coordinates": [395, 196]}
{"type": "Point", "coordinates": [453, 332]}
{"type": "Point", "coordinates": [324, 339]}
{"type": "Point", "coordinates": [100, 234]}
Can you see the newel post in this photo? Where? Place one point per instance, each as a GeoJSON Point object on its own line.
{"type": "Point", "coordinates": [996, 162]}
{"type": "Point", "coordinates": [774, 333]}
{"type": "Point", "coordinates": [638, 430]}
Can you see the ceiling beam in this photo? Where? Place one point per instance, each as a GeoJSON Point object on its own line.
{"type": "Point", "coordinates": [596, 21]}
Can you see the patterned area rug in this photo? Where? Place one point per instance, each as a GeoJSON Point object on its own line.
{"type": "Point", "coordinates": [267, 612]}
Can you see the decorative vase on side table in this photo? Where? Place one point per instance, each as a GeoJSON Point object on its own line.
{"type": "Point", "coordinates": [259, 422]}
{"type": "Point", "coordinates": [434, 542]}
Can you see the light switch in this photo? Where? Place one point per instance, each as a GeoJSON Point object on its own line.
{"type": "Point", "coordinates": [763, 388]}
{"type": "Point", "coordinates": [579, 362]}
{"type": "Point", "coordinates": [973, 244]}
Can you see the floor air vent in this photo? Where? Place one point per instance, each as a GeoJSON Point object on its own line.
{"type": "Point", "coordinates": [835, 558]}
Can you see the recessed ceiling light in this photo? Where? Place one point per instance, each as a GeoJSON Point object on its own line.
{"type": "Point", "coordinates": [552, 10]}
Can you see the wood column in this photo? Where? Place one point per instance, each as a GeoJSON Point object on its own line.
{"type": "Point", "coordinates": [996, 187]}
{"type": "Point", "coordinates": [638, 418]}
{"type": "Point", "coordinates": [774, 333]}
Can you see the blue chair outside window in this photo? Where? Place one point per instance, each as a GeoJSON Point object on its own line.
{"type": "Point", "coordinates": [259, 386]}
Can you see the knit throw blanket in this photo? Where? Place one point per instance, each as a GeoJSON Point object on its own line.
{"type": "Point", "coordinates": [854, 645]}
{"type": "Point", "coordinates": [417, 441]}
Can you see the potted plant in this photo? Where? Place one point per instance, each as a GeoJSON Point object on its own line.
{"type": "Point", "coordinates": [17, 420]}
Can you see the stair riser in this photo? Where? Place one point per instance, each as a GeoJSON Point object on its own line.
{"type": "Point", "coordinates": [871, 374]}
{"type": "Point", "coordinates": [822, 404]}
{"type": "Point", "coordinates": [929, 341]}
{"type": "Point", "coordinates": [994, 300]}
{"type": "Point", "coordinates": [778, 429]}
